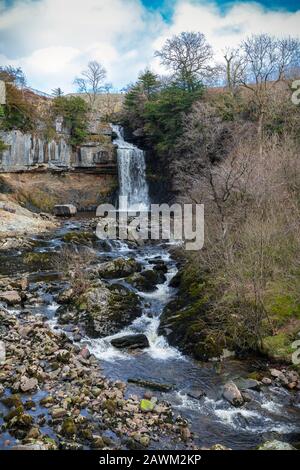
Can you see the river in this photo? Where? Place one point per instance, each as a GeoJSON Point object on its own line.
{"type": "Point", "coordinates": [270, 414]}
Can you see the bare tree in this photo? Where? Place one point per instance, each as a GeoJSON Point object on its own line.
{"type": "Point", "coordinates": [91, 81]}
{"type": "Point", "coordinates": [267, 60]}
{"type": "Point", "coordinates": [111, 101]}
{"type": "Point", "coordinates": [234, 68]}
{"type": "Point", "coordinates": [188, 55]}
{"type": "Point", "coordinates": [289, 55]}
{"type": "Point", "coordinates": [14, 75]}
{"type": "Point", "coordinates": [57, 92]}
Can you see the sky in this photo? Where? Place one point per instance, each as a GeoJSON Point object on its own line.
{"type": "Point", "coordinates": [53, 40]}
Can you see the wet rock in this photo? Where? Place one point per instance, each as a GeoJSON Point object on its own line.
{"type": "Point", "coordinates": [276, 445]}
{"type": "Point", "coordinates": [118, 268]}
{"type": "Point", "coordinates": [28, 384]}
{"type": "Point", "coordinates": [20, 420]}
{"type": "Point", "coordinates": [63, 355]}
{"type": "Point", "coordinates": [138, 341]}
{"type": "Point", "coordinates": [46, 401]}
{"type": "Point", "coordinates": [10, 297]}
{"type": "Point", "coordinates": [196, 393]}
{"type": "Point", "coordinates": [85, 353]}
{"type": "Point", "coordinates": [153, 277]}
{"type": "Point", "coordinates": [232, 394]}
{"type": "Point", "coordinates": [152, 385]}
{"type": "Point", "coordinates": [12, 401]}
{"type": "Point", "coordinates": [277, 374]}
{"type": "Point", "coordinates": [65, 296]}
{"type": "Point", "coordinates": [159, 265]}
{"type": "Point", "coordinates": [247, 384]}
{"type": "Point", "coordinates": [266, 381]}
{"type": "Point", "coordinates": [107, 309]}
{"type": "Point", "coordinates": [147, 280]}
{"type": "Point", "coordinates": [246, 397]}
{"type": "Point", "coordinates": [58, 413]}
{"type": "Point", "coordinates": [33, 433]}
{"type": "Point", "coordinates": [185, 434]}
{"type": "Point", "coordinates": [64, 210]}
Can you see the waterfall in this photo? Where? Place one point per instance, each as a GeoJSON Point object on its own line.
{"type": "Point", "coordinates": [132, 173]}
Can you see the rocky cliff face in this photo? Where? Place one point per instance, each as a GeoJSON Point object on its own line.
{"type": "Point", "coordinates": [27, 152]}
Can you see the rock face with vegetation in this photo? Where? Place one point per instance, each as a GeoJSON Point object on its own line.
{"type": "Point", "coordinates": [55, 134]}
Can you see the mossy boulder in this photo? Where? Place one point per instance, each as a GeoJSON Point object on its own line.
{"type": "Point", "coordinates": [278, 347]}
{"type": "Point", "coordinates": [79, 237]}
{"type": "Point", "coordinates": [68, 427]}
{"type": "Point", "coordinates": [147, 280]}
{"type": "Point", "coordinates": [16, 418]}
{"type": "Point", "coordinates": [12, 401]}
{"type": "Point", "coordinates": [186, 320]}
{"type": "Point", "coordinates": [118, 268]}
{"type": "Point", "coordinates": [106, 309]}
{"type": "Point", "coordinates": [110, 405]}
{"type": "Point", "coordinates": [147, 405]}
{"type": "Point", "coordinates": [40, 260]}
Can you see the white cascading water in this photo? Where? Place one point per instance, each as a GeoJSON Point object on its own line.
{"type": "Point", "coordinates": [132, 174]}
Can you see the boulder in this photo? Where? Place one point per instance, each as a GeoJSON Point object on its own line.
{"type": "Point", "coordinates": [58, 413]}
{"type": "Point", "coordinates": [277, 374]}
{"type": "Point", "coordinates": [247, 384]}
{"type": "Point", "coordinates": [10, 297]}
{"type": "Point", "coordinates": [65, 210]}
{"type": "Point", "coordinates": [152, 385]}
{"type": "Point", "coordinates": [232, 394]}
{"type": "Point", "coordinates": [28, 385]}
{"type": "Point", "coordinates": [266, 381]}
{"type": "Point", "coordinates": [138, 341]}
{"type": "Point", "coordinates": [68, 427]}
{"type": "Point", "coordinates": [107, 309]}
{"type": "Point", "coordinates": [196, 393]}
{"type": "Point", "coordinates": [147, 280]}
{"type": "Point", "coordinates": [276, 445]}
{"type": "Point", "coordinates": [154, 276]}
{"type": "Point", "coordinates": [118, 268]}
{"type": "Point", "coordinates": [85, 353]}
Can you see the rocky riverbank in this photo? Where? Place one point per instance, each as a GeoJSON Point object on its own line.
{"type": "Point", "coordinates": [16, 222]}
{"type": "Point", "coordinates": [53, 396]}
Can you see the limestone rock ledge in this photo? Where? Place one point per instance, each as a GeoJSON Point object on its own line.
{"type": "Point", "coordinates": [30, 152]}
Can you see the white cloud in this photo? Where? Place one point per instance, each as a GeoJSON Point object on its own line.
{"type": "Point", "coordinates": [221, 30]}
{"type": "Point", "coordinates": [53, 39]}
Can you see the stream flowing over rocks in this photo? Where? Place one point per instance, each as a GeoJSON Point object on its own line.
{"type": "Point", "coordinates": [83, 364]}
